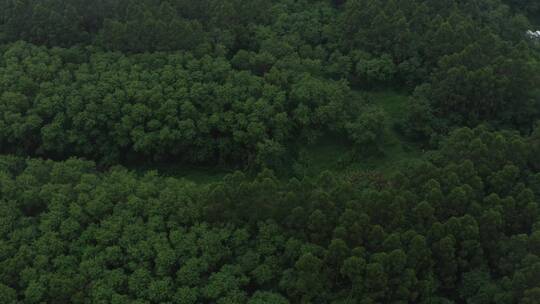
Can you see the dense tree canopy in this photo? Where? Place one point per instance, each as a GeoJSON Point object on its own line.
{"type": "Point", "coordinates": [89, 89]}
{"type": "Point", "coordinates": [471, 63]}
{"type": "Point", "coordinates": [463, 227]}
{"type": "Point", "coordinates": [110, 107]}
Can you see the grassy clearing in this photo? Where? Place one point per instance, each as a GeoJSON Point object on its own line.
{"type": "Point", "coordinates": [329, 153]}
{"type": "Point", "coordinates": [396, 150]}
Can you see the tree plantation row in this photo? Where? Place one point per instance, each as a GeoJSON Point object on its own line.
{"type": "Point", "coordinates": [113, 108]}
{"type": "Point", "coordinates": [466, 62]}
{"type": "Point", "coordinates": [463, 227]}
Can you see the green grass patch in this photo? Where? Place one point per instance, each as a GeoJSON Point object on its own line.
{"type": "Point", "coordinates": [329, 152]}
{"type": "Point", "coordinates": [334, 153]}
{"type": "Point", "coordinates": [396, 150]}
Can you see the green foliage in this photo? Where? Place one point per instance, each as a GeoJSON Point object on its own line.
{"type": "Point", "coordinates": [462, 227]}
{"type": "Point", "coordinates": [216, 81]}
{"type": "Point", "coordinates": [379, 70]}
{"type": "Point", "coordinates": [195, 88]}
{"type": "Point", "coordinates": [368, 129]}
{"type": "Point", "coordinates": [117, 108]}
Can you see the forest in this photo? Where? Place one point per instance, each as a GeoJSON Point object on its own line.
{"type": "Point", "coordinates": [270, 152]}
